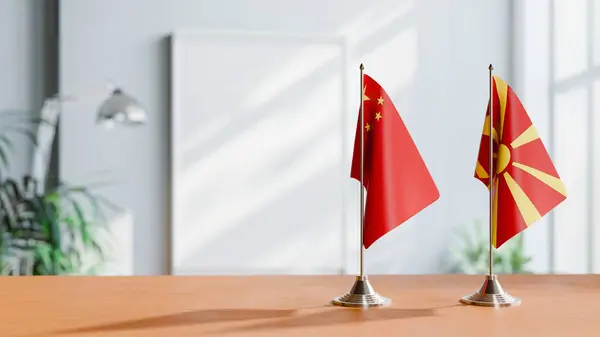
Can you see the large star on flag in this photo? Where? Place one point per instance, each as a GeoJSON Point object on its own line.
{"type": "Point", "coordinates": [526, 184]}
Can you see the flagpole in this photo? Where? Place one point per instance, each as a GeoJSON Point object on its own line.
{"type": "Point", "coordinates": [491, 169]}
{"type": "Point", "coordinates": [491, 293]}
{"type": "Point", "coordinates": [362, 294]}
{"type": "Point", "coordinates": [362, 168]}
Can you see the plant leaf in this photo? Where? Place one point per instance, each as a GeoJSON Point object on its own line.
{"type": "Point", "coordinates": [43, 253]}
{"type": "Point", "coordinates": [27, 133]}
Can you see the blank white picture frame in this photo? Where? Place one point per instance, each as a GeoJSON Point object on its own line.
{"type": "Point", "coordinates": [261, 138]}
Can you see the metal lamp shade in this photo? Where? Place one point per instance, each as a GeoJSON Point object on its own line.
{"type": "Point", "coordinates": [120, 108]}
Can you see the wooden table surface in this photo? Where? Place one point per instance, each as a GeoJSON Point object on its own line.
{"type": "Point", "coordinates": [290, 306]}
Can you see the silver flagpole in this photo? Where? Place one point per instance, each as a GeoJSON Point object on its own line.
{"type": "Point", "coordinates": [362, 169]}
{"type": "Point", "coordinates": [491, 293]}
{"type": "Point", "coordinates": [492, 170]}
{"type": "Point", "coordinates": [362, 293]}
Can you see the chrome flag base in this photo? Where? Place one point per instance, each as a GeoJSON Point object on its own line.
{"type": "Point", "coordinates": [361, 295]}
{"type": "Point", "coordinates": [491, 294]}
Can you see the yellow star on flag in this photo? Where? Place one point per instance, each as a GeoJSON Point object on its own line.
{"type": "Point", "coordinates": [378, 116]}
{"type": "Point", "coordinates": [380, 100]}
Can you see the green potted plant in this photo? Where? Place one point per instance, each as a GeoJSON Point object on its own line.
{"type": "Point", "coordinates": [472, 256]}
{"type": "Point", "coordinates": [55, 232]}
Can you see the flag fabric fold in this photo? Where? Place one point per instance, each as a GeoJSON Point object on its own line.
{"type": "Point", "coordinates": [526, 184]}
{"type": "Point", "coordinates": [397, 182]}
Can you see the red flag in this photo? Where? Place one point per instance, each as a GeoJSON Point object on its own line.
{"type": "Point", "coordinates": [526, 183]}
{"type": "Point", "coordinates": [396, 179]}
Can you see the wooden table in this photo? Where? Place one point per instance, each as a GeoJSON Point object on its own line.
{"type": "Point", "coordinates": [565, 306]}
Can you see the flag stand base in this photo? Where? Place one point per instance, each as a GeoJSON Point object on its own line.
{"type": "Point", "coordinates": [361, 295]}
{"type": "Point", "coordinates": [491, 294]}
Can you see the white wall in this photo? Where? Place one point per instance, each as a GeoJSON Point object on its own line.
{"type": "Point", "coordinates": [431, 55]}
{"type": "Point", "coordinates": [559, 71]}
{"type": "Point", "coordinates": [22, 67]}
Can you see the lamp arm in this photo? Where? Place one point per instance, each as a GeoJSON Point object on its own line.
{"type": "Point", "coordinates": [118, 106]}
{"type": "Point", "coordinates": [86, 95]}
{"type": "Point", "coordinates": [46, 132]}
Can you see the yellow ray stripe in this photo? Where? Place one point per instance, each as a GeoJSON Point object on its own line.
{"type": "Point", "coordinates": [527, 136]}
{"type": "Point", "coordinates": [528, 211]}
{"type": "Point", "coordinates": [486, 129]}
{"type": "Point", "coordinates": [554, 182]}
{"type": "Point", "coordinates": [480, 171]}
{"type": "Point", "coordinates": [502, 89]}
{"type": "Point", "coordinates": [495, 213]}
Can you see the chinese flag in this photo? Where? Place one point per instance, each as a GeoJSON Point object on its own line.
{"type": "Point", "coordinates": [526, 185]}
{"type": "Point", "coordinates": [396, 179]}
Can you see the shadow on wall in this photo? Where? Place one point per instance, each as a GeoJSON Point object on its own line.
{"type": "Point", "coordinates": [308, 204]}
{"type": "Point", "coordinates": [422, 64]}
{"type": "Point", "coordinates": [443, 106]}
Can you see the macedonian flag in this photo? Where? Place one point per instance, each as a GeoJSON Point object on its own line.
{"type": "Point", "coordinates": [526, 185]}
